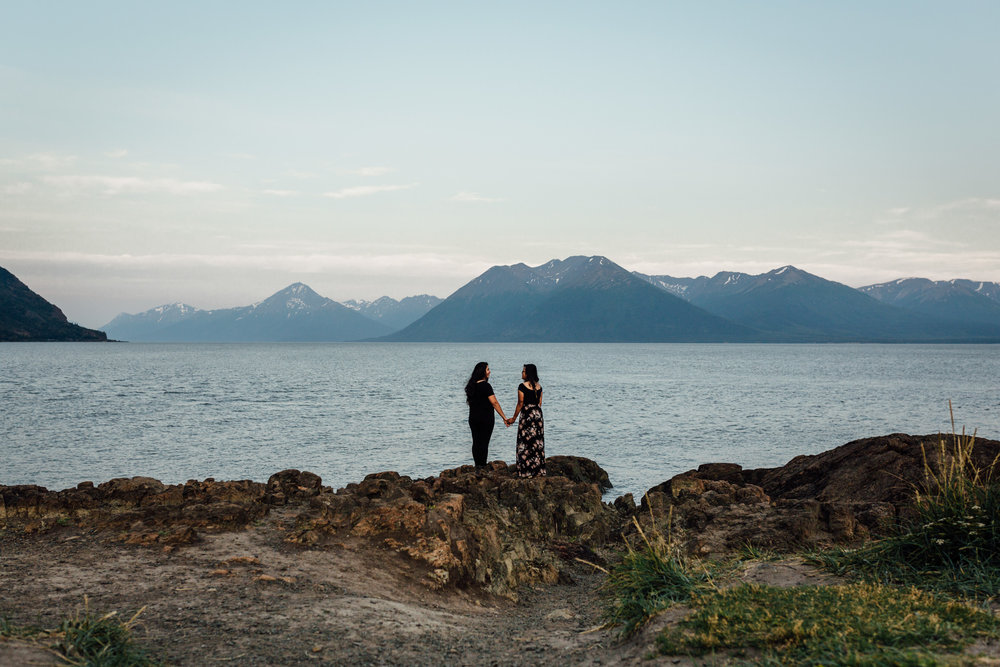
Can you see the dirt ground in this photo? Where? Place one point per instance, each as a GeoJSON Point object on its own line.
{"type": "Point", "coordinates": [249, 598]}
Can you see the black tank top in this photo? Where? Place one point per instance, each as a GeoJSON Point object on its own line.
{"type": "Point", "coordinates": [531, 396]}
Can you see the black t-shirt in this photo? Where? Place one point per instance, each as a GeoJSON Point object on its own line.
{"type": "Point", "coordinates": [531, 396]}
{"type": "Point", "coordinates": [480, 407]}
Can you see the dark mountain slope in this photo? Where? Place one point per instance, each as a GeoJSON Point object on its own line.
{"type": "Point", "coordinates": [580, 299]}
{"type": "Point", "coordinates": [26, 316]}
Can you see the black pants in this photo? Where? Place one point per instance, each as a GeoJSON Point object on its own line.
{"type": "Point", "coordinates": [481, 431]}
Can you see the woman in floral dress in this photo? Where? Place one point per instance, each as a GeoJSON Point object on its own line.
{"type": "Point", "coordinates": [531, 428]}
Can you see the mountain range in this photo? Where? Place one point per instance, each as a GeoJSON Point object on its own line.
{"type": "Point", "coordinates": [296, 313]}
{"type": "Point", "coordinates": [791, 305]}
{"type": "Point", "coordinates": [26, 316]}
{"type": "Point", "coordinates": [578, 299]}
{"type": "Point", "coordinates": [948, 299]}
{"type": "Point", "coordinates": [395, 314]}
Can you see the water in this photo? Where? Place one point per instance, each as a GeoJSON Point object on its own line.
{"type": "Point", "coordinates": [75, 412]}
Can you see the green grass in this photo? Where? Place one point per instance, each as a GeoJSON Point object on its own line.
{"type": "Point", "coordinates": [858, 624]}
{"type": "Point", "coordinates": [88, 640]}
{"type": "Point", "coordinates": [648, 580]}
{"type": "Point", "coordinates": [952, 544]}
{"type": "Point", "coordinates": [751, 552]}
{"type": "Point", "coordinates": [914, 604]}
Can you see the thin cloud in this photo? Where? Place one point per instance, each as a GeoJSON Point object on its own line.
{"type": "Point", "coordinates": [17, 188]}
{"type": "Point", "coordinates": [474, 197]}
{"type": "Point", "coordinates": [369, 171]}
{"type": "Point", "coordinates": [902, 239]}
{"type": "Point", "coordinates": [117, 154]}
{"type": "Point", "coordinates": [46, 162]}
{"type": "Point", "coordinates": [971, 208]}
{"type": "Point", "coordinates": [366, 190]}
{"type": "Point", "coordinates": [379, 264]}
{"type": "Point", "coordinates": [115, 185]}
{"type": "Point", "coordinates": [281, 193]}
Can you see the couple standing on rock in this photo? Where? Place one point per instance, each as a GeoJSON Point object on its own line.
{"type": "Point", "coordinates": [530, 430]}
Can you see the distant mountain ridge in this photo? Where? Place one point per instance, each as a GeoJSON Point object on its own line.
{"type": "Point", "coordinates": [579, 299]}
{"type": "Point", "coordinates": [395, 314]}
{"type": "Point", "coordinates": [26, 316]}
{"type": "Point", "coordinates": [946, 299]}
{"type": "Point", "coordinates": [296, 313]}
{"type": "Point", "coordinates": [796, 306]}
{"type": "Point", "coordinates": [592, 299]}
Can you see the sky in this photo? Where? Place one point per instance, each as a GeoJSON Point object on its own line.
{"type": "Point", "coordinates": [213, 153]}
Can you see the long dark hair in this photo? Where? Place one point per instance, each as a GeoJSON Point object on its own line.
{"type": "Point", "coordinates": [478, 373]}
{"type": "Point", "coordinates": [531, 374]}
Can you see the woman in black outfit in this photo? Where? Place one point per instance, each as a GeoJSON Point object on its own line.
{"type": "Point", "coordinates": [531, 428]}
{"type": "Point", "coordinates": [482, 404]}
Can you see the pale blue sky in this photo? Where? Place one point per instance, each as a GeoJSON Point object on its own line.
{"type": "Point", "coordinates": [214, 152]}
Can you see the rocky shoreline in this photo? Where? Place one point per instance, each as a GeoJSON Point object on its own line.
{"type": "Point", "coordinates": [462, 537]}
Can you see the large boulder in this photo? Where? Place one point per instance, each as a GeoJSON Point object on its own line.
{"type": "Point", "coordinates": [841, 496]}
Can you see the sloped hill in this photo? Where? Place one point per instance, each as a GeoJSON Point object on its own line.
{"type": "Point", "coordinates": [26, 316]}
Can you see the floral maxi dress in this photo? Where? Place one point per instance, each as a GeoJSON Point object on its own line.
{"type": "Point", "coordinates": [531, 435]}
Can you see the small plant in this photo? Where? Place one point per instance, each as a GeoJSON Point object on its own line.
{"type": "Point", "coordinates": [648, 580]}
{"type": "Point", "coordinates": [751, 552]}
{"type": "Point", "coordinates": [87, 640]}
{"type": "Point", "coordinates": [859, 624]}
{"type": "Point", "coordinates": [100, 641]}
{"type": "Point", "coordinates": [953, 542]}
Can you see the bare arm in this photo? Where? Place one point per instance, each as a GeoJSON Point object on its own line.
{"type": "Point", "coordinates": [496, 406]}
{"type": "Point", "coordinates": [520, 403]}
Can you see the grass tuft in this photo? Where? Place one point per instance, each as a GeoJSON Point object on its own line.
{"type": "Point", "coordinates": [858, 624]}
{"type": "Point", "coordinates": [649, 579]}
{"type": "Point", "coordinates": [88, 640]}
{"type": "Point", "coordinates": [953, 542]}
{"type": "Point", "coordinates": [101, 641]}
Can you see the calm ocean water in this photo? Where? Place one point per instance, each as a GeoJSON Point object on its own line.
{"type": "Point", "coordinates": [75, 412]}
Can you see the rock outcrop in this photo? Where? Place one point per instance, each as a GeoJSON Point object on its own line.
{"type": "Point", "coordinates": [492, 530]}
{"type": "Point", "coordinates": [486, 528]}
{"type": "Point", "coordinates": [137, 510]}
{"type": "Point", "coordinates": [841, 496]}
{"type": "Point", "coordinates": [461, 528]}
